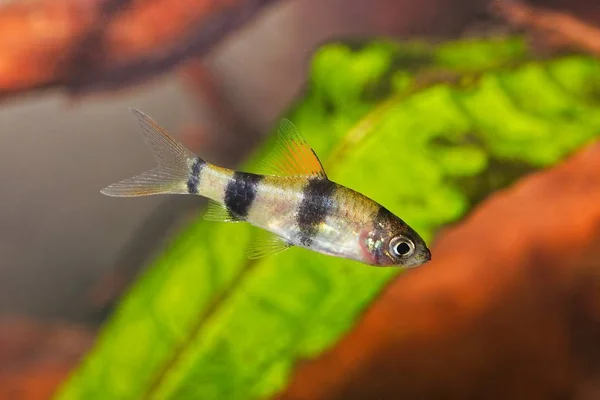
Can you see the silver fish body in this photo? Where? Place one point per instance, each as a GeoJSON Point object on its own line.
{"type": "Point", "coordinates": [294, 201]}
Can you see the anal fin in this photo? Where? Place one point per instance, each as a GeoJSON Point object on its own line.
{"type": "Point", "coordinates": [219, 213]}
{"type": "Point", "coordinates": [264, 244]}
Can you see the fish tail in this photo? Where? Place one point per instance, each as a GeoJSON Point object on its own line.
{"type": "Point", "coordinates": [178, 170]}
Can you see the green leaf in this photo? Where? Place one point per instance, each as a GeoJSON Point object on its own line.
{"type": "Point", "coordinates": [427, 131]}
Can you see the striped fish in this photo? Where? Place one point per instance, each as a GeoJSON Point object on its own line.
{"type": "Point", "coordinates": [293, 201]}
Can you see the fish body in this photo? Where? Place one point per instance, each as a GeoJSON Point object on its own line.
{"type": "Point", "coordinates": [294, 201]}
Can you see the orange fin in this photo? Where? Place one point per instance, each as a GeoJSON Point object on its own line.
{"type": "Point", "coordinates": [291, 155]}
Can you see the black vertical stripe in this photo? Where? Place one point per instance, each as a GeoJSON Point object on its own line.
{"type": "Point", "coordinates": [382, 229]}
{"type": "Point", "coordinates": [194, 180]}
{"type": "Point", "coordinates": [382, 217]}
{"type": "Point", "coordinates": [240, 193]}
{"type": "Point", "coordinates": [314, 208]}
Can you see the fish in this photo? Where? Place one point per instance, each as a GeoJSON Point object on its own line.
{"type": "Point", "coordinates": [291, 199]}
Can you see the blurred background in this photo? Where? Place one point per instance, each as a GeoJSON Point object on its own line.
{"type": "Point", "coordinates": [218, 98]}
{"type": "Point", "coordinates": [218, 75]}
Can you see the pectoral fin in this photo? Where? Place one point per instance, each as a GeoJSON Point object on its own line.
{"type": "Point", "coordinates": [264, 244]}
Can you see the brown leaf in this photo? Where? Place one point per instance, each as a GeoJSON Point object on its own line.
{"type": "Point", "coordinates": [82, 45]}
{"type": "Point", "coordinates": [509, 308]}
{"type": "Point", "coordinates": [36, 357]}
{"type": "Point", "coordinates": [559, 28]}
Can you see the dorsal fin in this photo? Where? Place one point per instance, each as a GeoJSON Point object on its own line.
{"type": "Point", "coordinates": [291, 155]}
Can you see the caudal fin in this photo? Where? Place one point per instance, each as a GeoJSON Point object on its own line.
{"type": "Point", "coordinates": [176, 170]}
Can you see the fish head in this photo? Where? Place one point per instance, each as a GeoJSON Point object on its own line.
{"type": "Point", "coordinates": [391, 242]}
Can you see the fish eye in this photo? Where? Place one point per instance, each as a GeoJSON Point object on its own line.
{"type": "Point", "coordinates": [401, 247]}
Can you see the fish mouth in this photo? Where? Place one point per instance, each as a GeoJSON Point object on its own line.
{"type": "Point", "coordinates": [427, 255]}
{"type": "Point", "coordinates": [420, 259]}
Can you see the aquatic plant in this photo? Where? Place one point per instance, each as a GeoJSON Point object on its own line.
{"type": "Point", "coordinates": [427, 130]}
